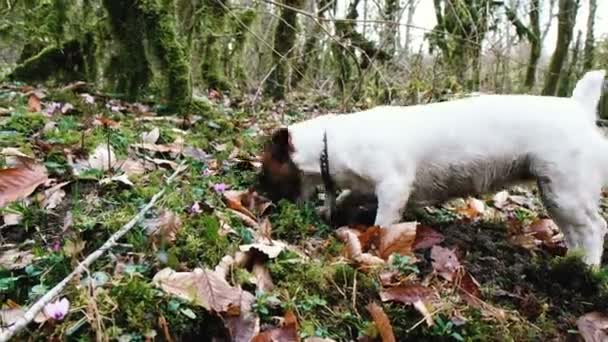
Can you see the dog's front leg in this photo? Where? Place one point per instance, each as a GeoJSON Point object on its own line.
{"type": "Point", "coordinates": [392, 194]}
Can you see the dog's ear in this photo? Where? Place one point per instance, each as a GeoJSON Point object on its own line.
{"type": "Point", "coordinates": [280, 144]}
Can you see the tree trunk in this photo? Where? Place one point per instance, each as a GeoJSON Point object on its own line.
{"type": "Point", "coordinates": [128, 71]}
{"type": "Point", "coordinates": [391, 8]}
{"type": "Point", "coordinates": [161, 32]}
{"type": "Point", "coordinates": [589, 38]}
{"type": "Point", "coordinates": [535, 45]}
{"type": "Point", "coordinates": [411, 9]}
{"type": "Point", "coordinates": [566, 17]}
{"type": "Point", "coordinates": [213, 26]}
{"type": "Point", "coordinates": [565, 88]}
{"type": "Point", "coordinates": [284, 41]}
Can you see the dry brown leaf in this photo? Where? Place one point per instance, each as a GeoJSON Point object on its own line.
{"type": "Point", "coordinates": [246, 219]}
{"type": "Point", "coordinates": [245, 325]}
{"type": "Point", "coordinates": [318, 339]}
{"type": "Point", "coordinates": [406, 294]}
{"type": "Point", "coordinates": [133, 167]}
{"type": "Point", "coordinates": [124, 179]}
{"type": "Point", "coordinates": [544, 230]}
{"type": "Point", "coordinates": [354, 249]}
{"type": "Point", "coordinates": [10, 316]}
{"type": "Point", "coordinates": [288, 332]}
{"type": "Point", "coordinates": [469, 289]}
{"type": "Point", "coordinates": [102, 158]}
{"type": "Point", "coordinates": [263, 280]}
{"type": "Point", "coordinates": [150, 137]}
{"type": "Point", "coordinates": [11, 219]}
{"type": "Point", "coordinates": [413, 294]}
{"type": "Point", "coordinates": [445, 262]}
{"type": "Point", "coordinates": [271, 249]}
{"type": "Point", "coordinates": [593, 326]}
{"type": "Point", "coordinates": [53, 196]}
{"type": "Point", "coordinates": [473, 208]}
{"type": "Point", "coordinates": [427, 237]}
{"type": "Point", "coordinates": [12, 259]}
{"type": "Point", "coordinates": [33, 103]}
{"type": "Point", "coordinates": [383, 324]}
{"type": "Point", "coordinates": [19, 182]}
{"type": "Point", "coordinates": [398, 239]}
{"type": "Point", "coordinates": [161, 162]}
{"type": "Point", "coordinates": [201, 286]}
{"type": "Point", "coordinates": [234, 200]}
{"type": "Point", "coordinates": [163, 228]}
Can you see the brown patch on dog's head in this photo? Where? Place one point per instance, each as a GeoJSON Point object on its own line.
{"type": "Point", "coordinates": [280, 178]}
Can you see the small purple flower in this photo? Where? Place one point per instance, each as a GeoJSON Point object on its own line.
{"type": "Point", "coordinates": [88, 99]}
{"type": "Point", "coordinates": [56, 246]}
{"type": "Point", "coordinates": [207, 172]}
{"type": "Point", "coordinates": [57, 309]}
{"type": "Point", "coordinates": [51, 108]}
{"type": "Point", "coordinates": [196, 208]}
{"type": "Point", "coordinates": [219, 187]}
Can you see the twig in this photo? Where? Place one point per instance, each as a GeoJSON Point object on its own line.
{"type": "Point", "coordinates": [35, 308]}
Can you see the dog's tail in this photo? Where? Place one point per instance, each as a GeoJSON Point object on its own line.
{"type": "Point", "coordinates": [588, 91]}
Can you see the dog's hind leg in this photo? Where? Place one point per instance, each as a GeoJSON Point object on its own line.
{"type": "Point", "coordinates": [574, 206]}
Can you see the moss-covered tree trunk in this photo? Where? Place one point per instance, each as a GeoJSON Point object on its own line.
{"type": "Point", "coordinates": [566, 78]}
{"type": "Point", "coordinates": [146, 32]}
{"type": "Point", "coordinates": [535, 45]}
{"type": "Point", "coordinates": [213, 24]}
{"type": "Point", "coordinates": [161, 33]}
{"type": "Point", "coordinates": [128, 71]}
{"type": "Point", "coordinates": [391, 9]}
{"type": "Point", "coordinates": [565, 18]}
{"type": "Point", "coordinates": [284, 42]}
{"type": "Point", "coordinates": [589, 38]}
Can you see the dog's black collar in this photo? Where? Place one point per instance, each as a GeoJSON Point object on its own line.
{"type": "Point", "coordinates": [328, 182]}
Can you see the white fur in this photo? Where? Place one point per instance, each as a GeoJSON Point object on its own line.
{"type": "Point", "coordinates": [429, 153]}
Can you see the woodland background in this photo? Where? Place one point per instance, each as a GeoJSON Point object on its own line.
{"type": "Point", "coordinates": [102, 100]}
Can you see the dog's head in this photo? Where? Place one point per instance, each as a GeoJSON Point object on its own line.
{"type": "Point", "coordinates": [280, 177]}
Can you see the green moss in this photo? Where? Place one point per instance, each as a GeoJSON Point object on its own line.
{"type": "Point", "coordinates": [160, 29]}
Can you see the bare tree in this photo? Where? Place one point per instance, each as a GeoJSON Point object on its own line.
{"type": "Point", "coordinates": [566, 17]}
{"type": "Point", "coordinates": [589, 38]}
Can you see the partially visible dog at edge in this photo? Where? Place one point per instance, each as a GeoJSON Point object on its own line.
{"type": "Point", "coordinates": [426, 154]}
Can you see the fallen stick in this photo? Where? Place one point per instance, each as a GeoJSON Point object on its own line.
{"type": "Point", "coordinates": [35, 308]}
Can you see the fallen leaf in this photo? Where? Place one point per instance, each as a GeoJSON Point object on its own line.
{"type": "Point", "coordinates": [271, 249]}
{"type": "Point", "coordinates": [19, 182]}
{"type": "Point", "coordinates": [318, 339]}
{"type": "Point", "coordinates": [150, 137]}
{"type": "Point", "coordinates": [398, 238]}
{"type": "Point", "coordinates": [163, 228]}
{"type": "Point", "coordinates": [33, 103]}
{"type": "Point", "coordinates": [162, 162]}
{"type": "Point", "coordinates": [593, 327]}
{"type": "Point", "coordinates": [413, 294]}
{"type": "Point", "coordinates": [201, 286]}
{"type": "Point", "coordinates": [245, 325]}
{"type": "Point", "coordinates": [500, 199]}
{"type": "Point", "coordinates": [288, 332]}
{"type": "Point", "coordinates": [11, 219]}
{"type": "Point", "coordinates": [53, 196]}
{"type": "Point", "coordinates": [263, 280]}
{"type": "Point", "coordinates": [354, 248]}
{"type": "Point", "coordinates": [135, 167]}
{"type": "Point", "coordinates": [195, 153]}
{"type": "Point", "coordinates": [10, 316]}
{"type": "Point", "coordinates": [544, 230]}
{"type": "Point", "coordinates": [73, 247]}
{"type": "Point", "coordinates": [234, 200]}
{"type": "Point", "coordinates": [473, 208]}
{"type": "Point", "coordinates": [469, 289]}
{"type": "Point", "coordinates": [406, 294]}
{"type": "Point", "coordinates": [124, 179]}
{"type": "Point", "coordinates": [12, 259]}
{"type": "Point", "coordinates": [427, 237]}
{"type": "Point", "coordinates": [383, 324]}
{"type": "Point", "coordinates": [102, 158]}
{"type": "Point", "coordinates": [445, 262]}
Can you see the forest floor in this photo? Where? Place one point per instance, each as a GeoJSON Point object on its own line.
{"type": "Point", "coordinates": [212, 259]}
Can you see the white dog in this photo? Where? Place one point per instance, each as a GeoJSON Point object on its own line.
{"type": "Point", "coordinates": [426, 154]}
